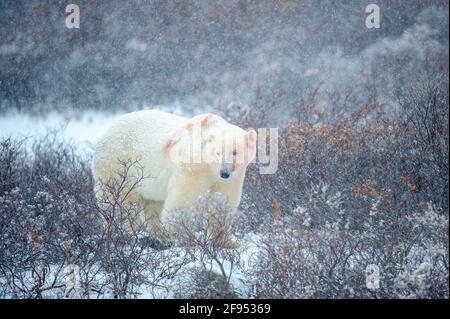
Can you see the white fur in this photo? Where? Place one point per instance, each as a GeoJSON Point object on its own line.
{"type": "Point", "coordinates": [145, 136]}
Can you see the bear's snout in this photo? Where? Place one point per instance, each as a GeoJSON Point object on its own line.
{"type": "Point", "coordinates": [225, 174]}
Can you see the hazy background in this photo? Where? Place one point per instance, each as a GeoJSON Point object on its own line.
{"type": "Point", "coordinates": [192, 56]}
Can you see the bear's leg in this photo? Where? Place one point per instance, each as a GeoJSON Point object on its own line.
{"type": "Point", "coordinates": [232, 191]}
{"type": "Point", "coordinates": [152, 215]}
{"type": "Point", "coordinates": [183, 192]}
{"type": "Point", "coordinates": [134, 206]}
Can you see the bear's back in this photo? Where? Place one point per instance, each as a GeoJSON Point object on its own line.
{"type": "Point", "coordinates": [139, 136]}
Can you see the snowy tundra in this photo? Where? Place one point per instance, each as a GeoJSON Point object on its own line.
{"type": "Point", "coordinates": [182, 158]}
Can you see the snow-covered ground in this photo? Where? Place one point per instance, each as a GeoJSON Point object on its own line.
{"type": "Point", "coordinates": [83, 130]}
{"type": "Point", "coordinates": [249, 248]}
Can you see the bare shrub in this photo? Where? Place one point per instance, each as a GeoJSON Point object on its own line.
{"type": "Point", "coordinates": [43, 205]}
{"type": "Point", "coordinates": [205, 234]}
{"type": "Point", "coordinates": [58, 241]}
{"type": "Point", "coordinates": [126, 250]}
{"type": "Point", "coordinates": [350, 193]}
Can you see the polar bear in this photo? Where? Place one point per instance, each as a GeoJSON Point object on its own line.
{"type": "Point", "coordinates": [184, 159]}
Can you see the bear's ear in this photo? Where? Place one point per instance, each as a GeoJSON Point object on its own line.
{"type": "Point", "coordinates": [251, 145]}
{"type": "Point", "coordinates": [201, 121]}
{"type": "Point", "coordinates": [204, 120]}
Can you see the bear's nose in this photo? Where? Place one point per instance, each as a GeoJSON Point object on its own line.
{"type": "Point", "coordinates": [224, 174]}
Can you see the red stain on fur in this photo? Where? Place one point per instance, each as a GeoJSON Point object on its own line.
{"type": "Point", "coordinates": [168, 146]}
{"type": "Point", "coordinates": [176, 137]}
{"type": "Point", "coordinates": [233, 167]}
{"type": "Point", "coordinates": [204, 121]}
{"type": "Point", "coordinates": [187, 128]}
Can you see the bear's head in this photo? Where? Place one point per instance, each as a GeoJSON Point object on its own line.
{"type": "Point", "coordinates": [228, 150]}
{"type": "Point", "coordinates": [208, 140]}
